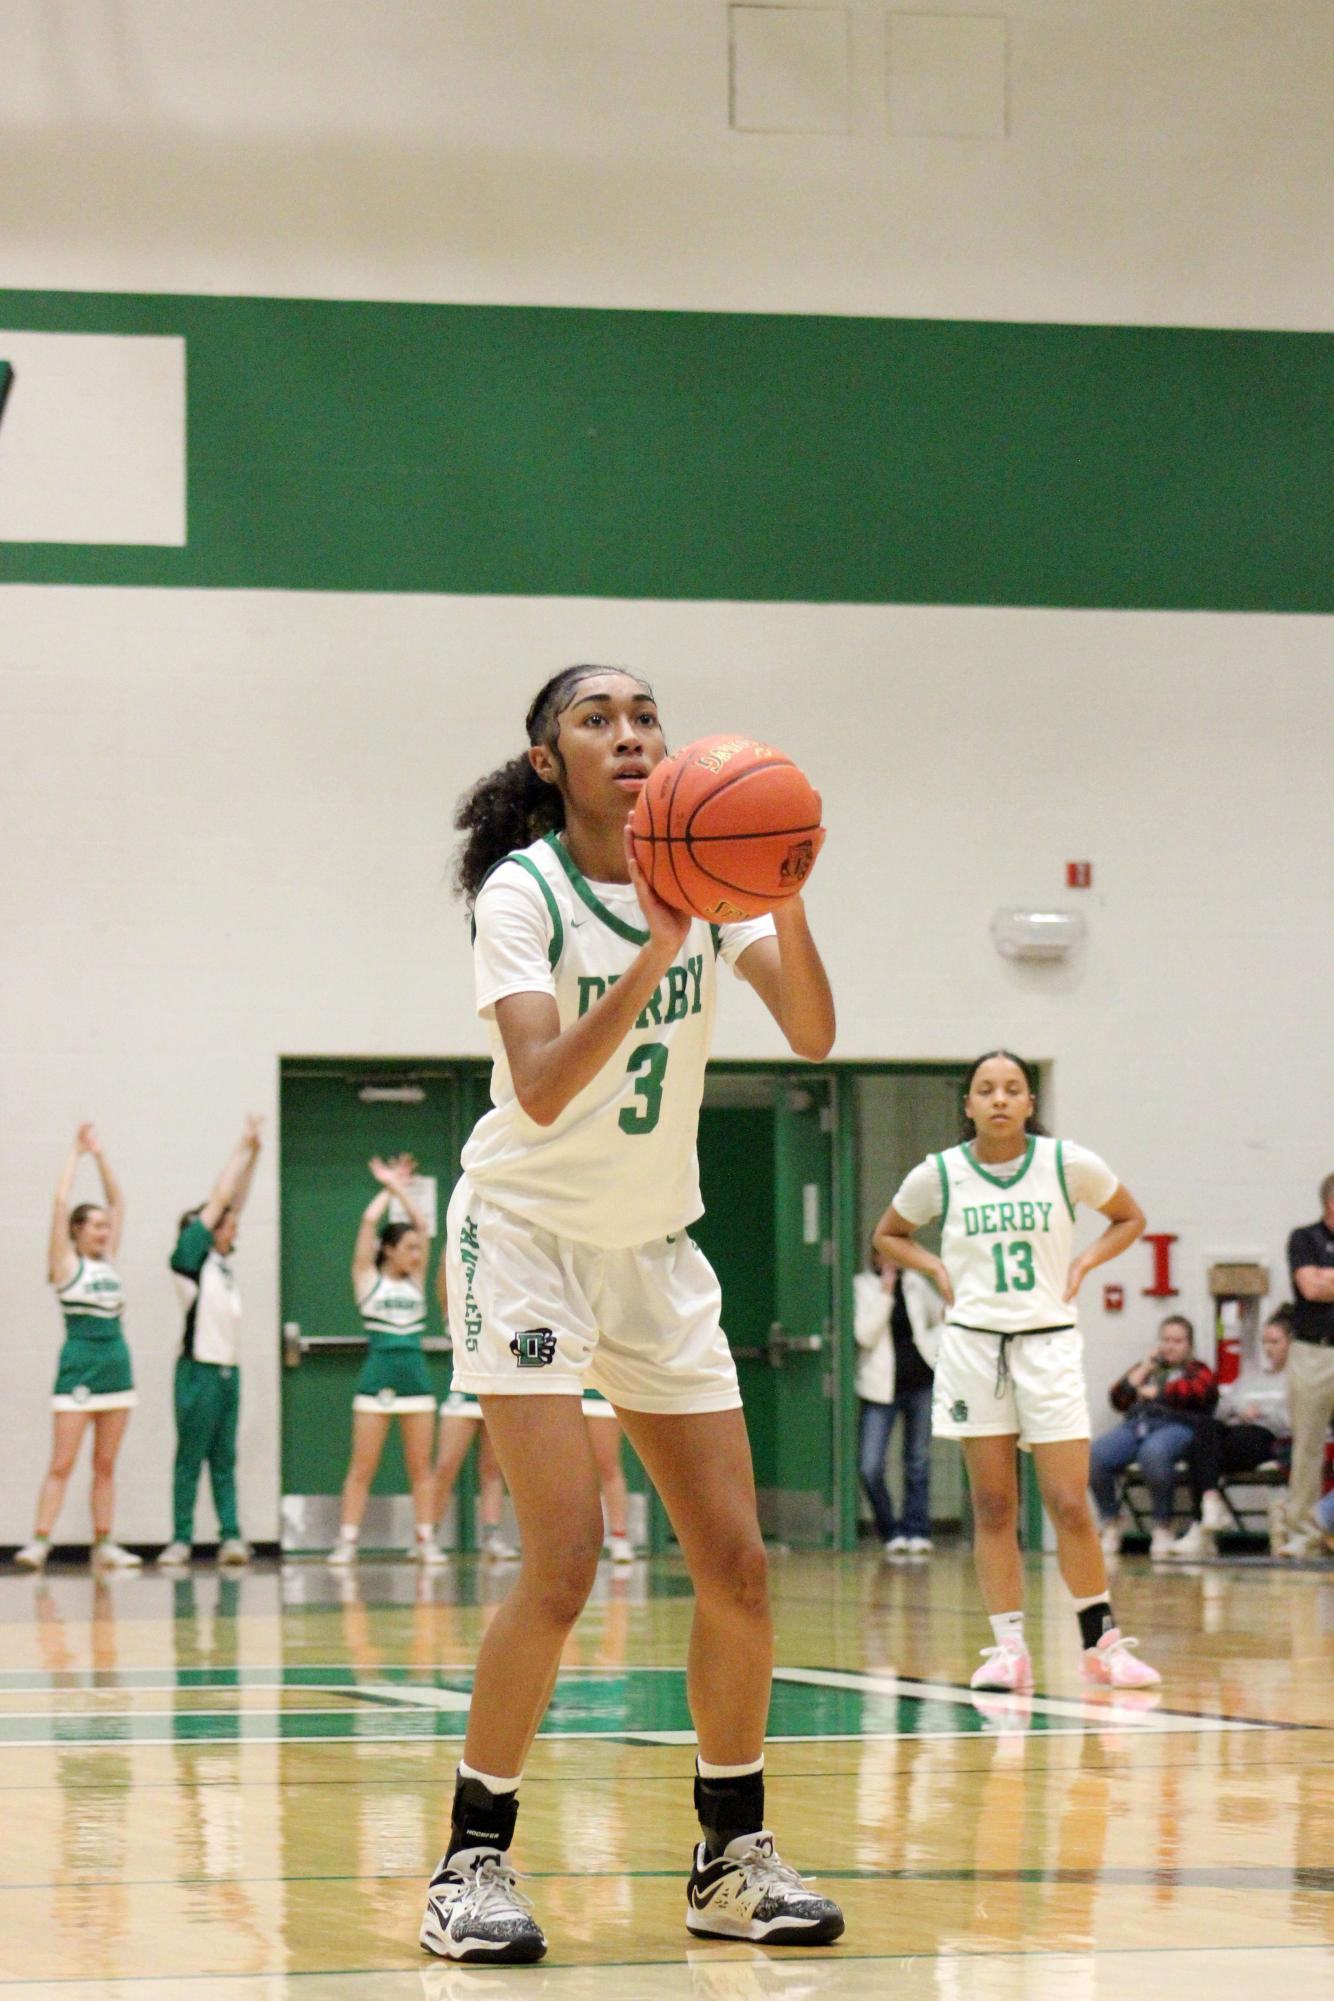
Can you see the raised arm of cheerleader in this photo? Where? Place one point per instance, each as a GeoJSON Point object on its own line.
{"type": "Point", "coordinates": [252, 1138]}
{"type": "Point", "coordinates": [788, 974]}
{"type": "Point", "coordinates": [233, 1184]}
{"type": "Point", "coordinates": [62, 1258]}
{"type": "Point", "coordinates": [111, 1191]}
{"type": "Point", "coordinates": [893, 1238]}
{"type": "Point", "coordinates": [1125, 1222]}
{"type": "Point", "coordinates": [368, 1235]}
{"type": "Point", "coordinates": [551, 1065]}
{"type": "Point", "coordinates": [396, 1175]}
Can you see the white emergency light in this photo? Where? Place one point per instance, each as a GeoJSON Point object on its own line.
{"type": "Point", "coordinates": [1036, 934]}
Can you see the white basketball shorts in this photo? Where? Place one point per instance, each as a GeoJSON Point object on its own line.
{"type": "Point", "coordinates": [533, 1314]}
{"type": "Point", "coordinates": [1041, 1396]}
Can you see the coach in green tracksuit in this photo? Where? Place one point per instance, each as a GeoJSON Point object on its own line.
{"type": "Point", "coordinates": [208, 1373]}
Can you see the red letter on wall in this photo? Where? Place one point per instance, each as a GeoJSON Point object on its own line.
{"type": "Point", "coordinates": [1161, 1242]}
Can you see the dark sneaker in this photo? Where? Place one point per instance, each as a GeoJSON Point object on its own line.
{"type": "Point", "coordinates": [749, 1893]}
{"type": "Point", "coordinates": [476, 1912]}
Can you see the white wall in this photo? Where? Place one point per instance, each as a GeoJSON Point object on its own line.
{"type": "Point", "coordinates": [1167, 161]}
{"type": "Point", "coordinates": [229, 813]}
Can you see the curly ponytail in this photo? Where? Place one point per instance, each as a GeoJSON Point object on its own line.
{"type": "Point", "coordinates": [505, 810]}
{"type": "Point", "coordinates": [512, 806]}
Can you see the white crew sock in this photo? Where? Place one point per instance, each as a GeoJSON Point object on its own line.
{"type": "Point", "coordinates": [1007, 1626]}
{"type": "Point", "coordinates": [493, 1785]}
{"type": "Point", "coordinates": [708, 1771]}
{"type": "Point", "coordinates": [348, 1532]}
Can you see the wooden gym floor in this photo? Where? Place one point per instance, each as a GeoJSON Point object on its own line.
{"type": "Point", "coordinates": [236, 1788]}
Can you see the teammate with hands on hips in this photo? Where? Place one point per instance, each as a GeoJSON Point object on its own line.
{"type": "Point", "coordinates": [1010, 1368]}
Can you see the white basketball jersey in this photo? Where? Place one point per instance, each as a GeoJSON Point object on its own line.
{"type": "Point", "coordinates": [394, 1310]}
{"type": "Point", "coordinates": [618, 1166]}
{"type": "Point", "coordinates": [1006, 1243]}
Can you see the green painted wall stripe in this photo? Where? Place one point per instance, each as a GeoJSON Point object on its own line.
{"type": "Point", "coordinates": [338, 446]}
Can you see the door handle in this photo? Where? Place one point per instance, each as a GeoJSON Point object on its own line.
{"type": "Point", "coordinates": [291, 1344]}
{"type": "Point", "coordinates": [781, 1343]}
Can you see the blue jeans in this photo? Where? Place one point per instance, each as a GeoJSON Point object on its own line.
{"type": "Point", "coordinates": [875, 1430]}
{"type": "Point", "coordinates": [1157, 1447]}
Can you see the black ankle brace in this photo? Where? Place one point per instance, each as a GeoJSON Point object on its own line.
{"type": "Point", "coordinates": [728, 1808]}
{"type": "Point", "coordinates": [481, 1818]}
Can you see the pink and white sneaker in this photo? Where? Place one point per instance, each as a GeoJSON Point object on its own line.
{"type": "Point", "coordinates": [1006, 1667]}
{"type": "Point", "coordinates": [1113, 1664]}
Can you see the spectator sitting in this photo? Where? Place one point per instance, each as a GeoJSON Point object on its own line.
{"type": "Point", "coordinates": [1250, 1427]}
{"type": "Point", "coordinates": [1163, 1397]}
{"type": "Point", "coordinates": [896, 1319]}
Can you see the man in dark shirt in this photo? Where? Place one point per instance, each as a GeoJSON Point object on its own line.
{"type": "Point", "coordinates": [1310, 1370]}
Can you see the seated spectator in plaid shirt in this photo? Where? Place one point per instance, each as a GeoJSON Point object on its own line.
{"type": "Point", "coordinates": [1163, 1399]}
{"type": "Point", "coordinates": [1251, 1427]}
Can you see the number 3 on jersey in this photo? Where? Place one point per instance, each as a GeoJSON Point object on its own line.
{"type": "Point", "coordinates": [1022, 1277]}
{"type": "Point", "coordinates": [648, 1065]}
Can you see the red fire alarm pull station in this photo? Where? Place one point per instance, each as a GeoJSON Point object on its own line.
{"type": "Point", "coordinates": [1079, 875]}
{"type": "Point", "coordinates": [1113, 1298]}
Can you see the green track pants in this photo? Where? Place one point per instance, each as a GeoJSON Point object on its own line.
{"type": "Point", "coordinates": [208, 1404]}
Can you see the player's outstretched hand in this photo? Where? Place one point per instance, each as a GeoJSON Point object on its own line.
{"type": "Point", "coordinates": [667, 927]}
{"type": "Point", "coordinates": [390, 1174]}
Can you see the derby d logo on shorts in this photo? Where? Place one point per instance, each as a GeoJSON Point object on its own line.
{"type": "Point", "coordinates": [535, 1348]}
{"type": "Point", "coordinates": [959, 1411]}
{"type": "Point", "coordinates": [81, 1393]}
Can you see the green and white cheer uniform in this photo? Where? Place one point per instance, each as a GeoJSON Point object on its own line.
{"type": "Point", "coordinates": [94, 1371]}
{"type": "Point", "coordinates": [394, 1376]}
{"type": "Point", "coordinates": [1011, 1358]}
{"type": "Point", "coordinates": [569, 1265]}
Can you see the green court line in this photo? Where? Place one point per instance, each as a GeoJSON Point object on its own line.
{"type": "Point", "coordinates": [409, 1704]}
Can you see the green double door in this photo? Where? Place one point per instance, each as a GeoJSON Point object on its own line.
{"type": "Point", "coordinates": [769, 1165]}
{"type": "Point", "coordinates": [773, 1174]}
{"type": "Point", "coordinates": [333, 1119]}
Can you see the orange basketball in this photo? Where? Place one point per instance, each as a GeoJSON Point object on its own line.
{"type": "Point", "coordinates": [727, 828]}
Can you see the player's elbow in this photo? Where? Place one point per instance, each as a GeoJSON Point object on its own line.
{"type": "Point", "coordinates": [537, 1105]}
{"type": "Point", "coordinates": [812, 1044]}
